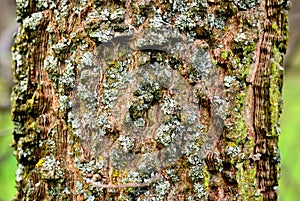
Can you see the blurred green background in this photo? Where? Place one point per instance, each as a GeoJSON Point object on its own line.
{"type": "Point", "coordinates": [290, 119]}
{"type": "Point", "coordinates": [8, 163]}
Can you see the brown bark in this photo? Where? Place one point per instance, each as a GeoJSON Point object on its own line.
{"type": "Point", "coordinates": [148, 100]}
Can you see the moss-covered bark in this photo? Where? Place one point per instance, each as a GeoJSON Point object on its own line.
{"type": "Point", "coordinates": [148, 100]}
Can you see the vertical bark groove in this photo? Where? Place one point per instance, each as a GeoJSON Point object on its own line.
{"type": "Point", "coordinates": [266, 132]}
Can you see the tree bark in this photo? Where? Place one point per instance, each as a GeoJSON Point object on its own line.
{"type": "Point", "coordinates": [148, 100]}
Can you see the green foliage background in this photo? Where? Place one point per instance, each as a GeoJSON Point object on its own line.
{"type": "Point", "coordinates": [289, 139]}
{"type": "Point", "coordinates": [8, 163]}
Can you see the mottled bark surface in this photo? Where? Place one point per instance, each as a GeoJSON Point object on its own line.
{"type": "Point", "coordinates": [148, 100]}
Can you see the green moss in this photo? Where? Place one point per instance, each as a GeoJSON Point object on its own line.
{"type": "Point", "coordinates": [224, 55]}
{"type": "Point", "coordinates": [246, 178]}
{"type": "Point", "coordinates": [275, 90]}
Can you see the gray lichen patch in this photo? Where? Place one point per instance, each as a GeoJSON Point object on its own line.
{"type": "Point", "coordinates": [33, 21]}
{"type": "Point", "coordinates": [135, 105]}
{"type": "Point", "coordinates": [247, 4]}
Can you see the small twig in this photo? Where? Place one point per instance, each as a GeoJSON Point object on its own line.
{"type": "Point", "coordinates": [126, 185]}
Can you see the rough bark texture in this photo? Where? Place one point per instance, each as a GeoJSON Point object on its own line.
{"type": "Point", "coordinates": [148, 100]}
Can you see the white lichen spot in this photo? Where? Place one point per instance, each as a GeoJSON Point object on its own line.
{"type": "Point", "coordinates": [133, 177]}
{"type": "Point", "coordinates": [92, 16]}
{"type": "Point", "coordinates": [139, 123]}
{"type": "Point", "coordinates": [33, 20]}
{"type": "Point", "coordinates": [118, 14]}
{"type": "Point", "coordinates": [166, 133]}
{"type": "Point", "coordinates": [51, 169]}
{"type": "Point", "coordinates": [162, 188]}
{"type": "Point", "coordinates": [63, 10]}
{"type": "Point", "coordinates": [64, 103]}
{"type": "Point", "coordinates": [126, 143]}
{"type": "Point", "coordinates": [241, 38]}
{"type": "Point", "coordinates": [79, 187]}
{"type": "Point", "coordinates": [184, 21]}
{"type": "Point", "coordinates": [246, 4]}
{"type": "Point", "coordinates": [60, 46]}
{"type": "Point", "coordinates": [19, 173]}
{"type": "Point", "coordinates": [66, 191]}
{"type": "Point", "coordinates": [90, 198]}
{"type": "Point", "coordinates": [104, 14]}
{"type": "Point", "coordinates": [87, 59]}
{"type": "Point", "coordinates": [68, 77]}
{"type": "Point", "coordinates": [170, 106]}
{"type": "Point", "coordinates": [44, 4]}
{"type": "Point", "coordinates": [21, 7]}
{"type": "Point", "coordinates": [228, 81]}
{"type": "Point", "coordinates": [199, 190]}
{"type": "Point", "coordinates": [50, 29]}
{"type": "Point", "coordinates": [101, 35]}
{"type": "Point", "coordinates": [18, 58]}
{"type": "Point", "coordinates": [157, 22]}
{"type": "Point", "coordinates": [50, 63]}
{"type": "Point", "coordinates": [21, 4]}
{"type": "Point", "coordinates": [232, 150]}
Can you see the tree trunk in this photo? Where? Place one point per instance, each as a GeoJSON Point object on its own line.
{"type": "Point", "coordinates": [148, 100]}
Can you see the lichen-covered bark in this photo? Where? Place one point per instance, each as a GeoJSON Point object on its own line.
{"type": "Point", "coordinates": [267, 84]}
{"type": "Point", "coordinates": [148, 100]}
